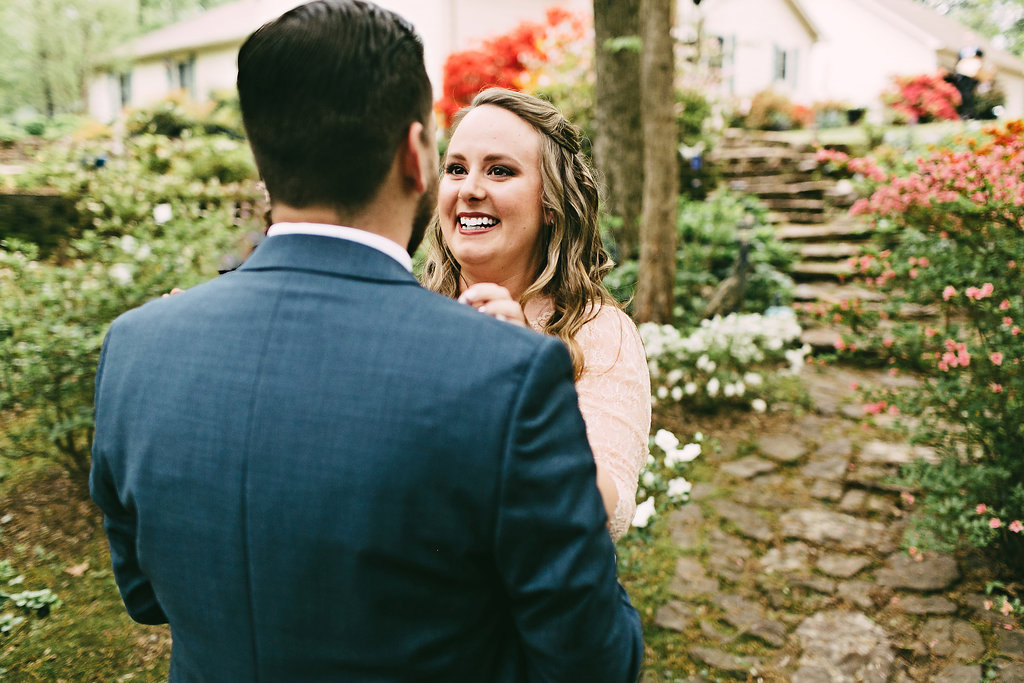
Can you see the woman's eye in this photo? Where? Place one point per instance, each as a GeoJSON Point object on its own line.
{"type": "Point", "coordinates": [454, 169]}
{"type": "Point", "coordinates": [502, 171]}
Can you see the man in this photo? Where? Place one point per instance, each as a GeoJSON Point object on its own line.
{"type": "Point", "coordinates": [315, 470]}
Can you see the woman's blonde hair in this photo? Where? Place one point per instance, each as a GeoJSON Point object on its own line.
{"type": "Point", "coordinates": [573, 259]}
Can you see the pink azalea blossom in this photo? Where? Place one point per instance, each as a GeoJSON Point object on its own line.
{"type": "Point", "coordinates": [1004, 304]}
{"type": "Point", "coordinates": [996, 388]}
{"type": "Point", "coordinates": [981, 508]}
{"type": "Point", "coordinates": [948, 293]}
{"type": "Point", "coordinates": [996, 357]}
{"type": "Point", "coordinates": [988, 604]}
{"type": "Point", "coordinates": [995, 522]}
{"type": "Point", "coordinates": [1006, 608]}
{"type": "Point", "coordinates": [1016, 526]}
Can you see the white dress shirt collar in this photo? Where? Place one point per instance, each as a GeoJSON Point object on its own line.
{"type": "Point", "coordinates": [373, 240]}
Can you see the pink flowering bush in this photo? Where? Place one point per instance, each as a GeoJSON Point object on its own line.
{"type": "Point", "coordinates": [923, 98]}
{"type": "Point", "coordinates": [949, 254]}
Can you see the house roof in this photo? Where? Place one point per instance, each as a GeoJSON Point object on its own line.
{"type": "Point", "coordinates": [945, 33]}
{"type": "Point", "coordinates": [805, 19]}
{"type": "Point", "coordinates": [223, 25]}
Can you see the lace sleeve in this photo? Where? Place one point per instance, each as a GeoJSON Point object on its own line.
{"type": "Point", "coordinates": [615, 400]}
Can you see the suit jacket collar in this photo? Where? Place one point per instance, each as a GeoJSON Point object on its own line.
{"type": "Point", "coordinates": [328, 255]}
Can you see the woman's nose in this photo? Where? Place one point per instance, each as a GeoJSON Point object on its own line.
{"type": "Point", "coordinates": [472, 187]}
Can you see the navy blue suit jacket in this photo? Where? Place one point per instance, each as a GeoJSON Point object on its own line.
{"type": "Point", "coordinates": [316, 470]}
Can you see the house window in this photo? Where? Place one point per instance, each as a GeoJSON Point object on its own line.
{"type": "Point", "coordinates": [780, 72]}
{"type": "Point", "coordinates": [124, 89]}
{"type": "Point", "coordinates": [784, 69]}
{"type": "Point", "coordinates": [181, 75]}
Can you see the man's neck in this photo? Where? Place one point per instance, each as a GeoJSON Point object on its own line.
{"type": "Point", "coordinates": [370, 220]}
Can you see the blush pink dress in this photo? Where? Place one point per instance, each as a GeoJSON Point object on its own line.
{"type": "Point", "coordinates": [614, 397]}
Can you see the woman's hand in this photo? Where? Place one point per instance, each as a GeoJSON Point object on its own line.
{"type": "Point", "coordinates": [495, 301]}
{"type": "Point", "coordinates": [174, 291]}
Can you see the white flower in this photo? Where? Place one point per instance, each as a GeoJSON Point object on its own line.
{"type": "Point", "coordinates": [144, 252]}
{"type": "Point", "coordinates": [120, 273]}
{"type": "Point", "coordinates": [685, 454]}
{"type": "Point", "coordinates": [648, 479]}
{"type": "Point", "coordinates": [129, 244]}
{"type": "Point", "coordinates": [713, 385]}
{"type": "Point", "coordinates": [677, 393]}
{"type": "Point", "coordinates": [699, 436]}
{"type": "Point", "coordinates": [674, 376]}
{"type": "Point", "coordinates": [644, 512]}
{"type": "Point", "coordinates": [662, 392]}
{"type": "Point", "coordinates": [759, 405]}
{"type": "Point", "coordinates": [690, 388]}
{"type": "Point", "coordinates": [753, 379]}
{"type": "Point", "coordinates": [162, 213]}
{"type": "Point", "coordinates": [740, 388]}
{"type": "Point", "coordinates": [729, 390]}
{"type": "Point", "coordinates": [666, 440]}
{"type": "Point", "coordinates": [678, 487]}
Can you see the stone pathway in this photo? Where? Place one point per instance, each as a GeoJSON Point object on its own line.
{"type": "Point", "coordinates": [792, 568]}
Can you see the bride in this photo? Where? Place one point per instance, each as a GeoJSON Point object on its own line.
{"type": "Point", "coordinates": [516, 236]}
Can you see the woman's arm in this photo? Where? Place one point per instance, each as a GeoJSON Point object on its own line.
{"type": "Point", "coordinates": [615, 399]}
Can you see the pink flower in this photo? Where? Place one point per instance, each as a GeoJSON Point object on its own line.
{"type": "Point", "coordinates": [1006, 608]}
{"type": "Point", "coordinates": [986, 290]}
{"type": "Point", "coordinates": [908, 498]}
{"type": "Point", "coordinates": [987, 604]}
{"type": "Point", "coordinates": [912, 273]}
{"type": "Point", "coordinates": [1004, 304]}
{"type": "Point", "coordinates": [981, 509]}
{"type": "Point", "coordinates": [1007, 321]}
{"type": "Point", "coordinates": [839, 344]}
{"type": "Point", "coordinates": [923, 262]}
{"type": "Point", "coordinates": [1016, 526]}
{"type": "Point", "coordinates": [996, 388]}
{"type": "Point", "coordinates": [995, 522]}
{"type": "Point", "coordinates": [996, 357]}
{"type": "Point", "coordinates": [930, 332]}
{"type": "Point", "coordinates": [948, 293]}
{"type": "Point", "coordinates": [887, 342]}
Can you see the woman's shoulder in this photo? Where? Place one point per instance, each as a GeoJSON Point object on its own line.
{"type": "Point", "coordinates": [604, 318]}
{"type": "Point", "coordinates": [609, 337]}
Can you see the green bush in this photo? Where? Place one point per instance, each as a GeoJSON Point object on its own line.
{"type": "Point", "coordinates": [709, 237]}
{"type": "Point", "coordinates": [147, 233]}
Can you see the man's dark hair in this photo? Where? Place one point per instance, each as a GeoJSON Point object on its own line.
{"type": "Point", "coordinates": [327, 92]}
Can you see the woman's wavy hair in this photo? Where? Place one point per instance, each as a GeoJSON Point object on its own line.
{"type": "Point", "coordinates": [574, 261]}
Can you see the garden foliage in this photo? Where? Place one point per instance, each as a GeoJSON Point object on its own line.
{"type": "Point", "coordinates": [950, 244]}
{"type": "Point", "coordinates": [158, 217]}
{"type": "Point", "coordinates": [923, 98]}
{"type": "Point", "coordinates": [709, 233]}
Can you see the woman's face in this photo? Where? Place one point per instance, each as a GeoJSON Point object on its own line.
{"type": "Point", "coordinates": [489, 199]}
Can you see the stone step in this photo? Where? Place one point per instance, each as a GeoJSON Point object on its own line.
{"type": "Point", "coordinates": [787, 188]}
{"type": "Point", "coordinates": [785, 203]}
{"type": "Point", "coordinates": [727, 154]}
{"type": "Point", "coordinates": [830, 250]}
{"type": "Point", "coordinates": [834, 293]}
{"type": "Point", "coordinates": [740, 182]}
{"type": "Point", "coordinates": [798, 217]}
{"type": "Point", "coordinates": [837, 228]}
{"type": "Point", "coordinates": [805, 269]}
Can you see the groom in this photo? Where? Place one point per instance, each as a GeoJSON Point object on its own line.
{"type": "Point", "coordinates": [315, 470]}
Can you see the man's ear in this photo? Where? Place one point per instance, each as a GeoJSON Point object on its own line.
{"type": "Point", "coordinates": [418, 157]}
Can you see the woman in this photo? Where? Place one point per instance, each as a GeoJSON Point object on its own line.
{"type": "Point", "coordinates": [516, 236]}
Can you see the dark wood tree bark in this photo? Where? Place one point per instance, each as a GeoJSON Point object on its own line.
{"type": "Point", "coordinates": [618, 137]}
{"type": "Point", "coordinates": [654, 297]}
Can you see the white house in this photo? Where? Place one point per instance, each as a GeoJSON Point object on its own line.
{"type": "Point", "coordinates": [199, 54]}
{"type": "Point", "coordinates": [840, 50]}
{"type": "Point", "coordinates": [810, 50]}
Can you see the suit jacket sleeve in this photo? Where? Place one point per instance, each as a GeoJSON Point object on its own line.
{"type": "Point", "coordinates": [552, 549]}
{"type": "Point", "coordinates": [119, 521]}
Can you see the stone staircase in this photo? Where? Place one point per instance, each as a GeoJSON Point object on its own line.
{"type": "Point", "coordinates": [811, 213]}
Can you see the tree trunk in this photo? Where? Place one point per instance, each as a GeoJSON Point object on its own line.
{"type": "Point", "coordinates": [654, 298]}
{"type": "Point", "coordinates": [618, 137]}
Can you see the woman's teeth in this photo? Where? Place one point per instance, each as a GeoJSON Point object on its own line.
{"type": "Point", "coordinates": [475, 223]}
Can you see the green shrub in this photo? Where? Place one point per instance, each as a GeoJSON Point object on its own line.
{"type": "Point", "coordinates": [147, 233]}
{"type": "Point", "coordinates": [709, 237]}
